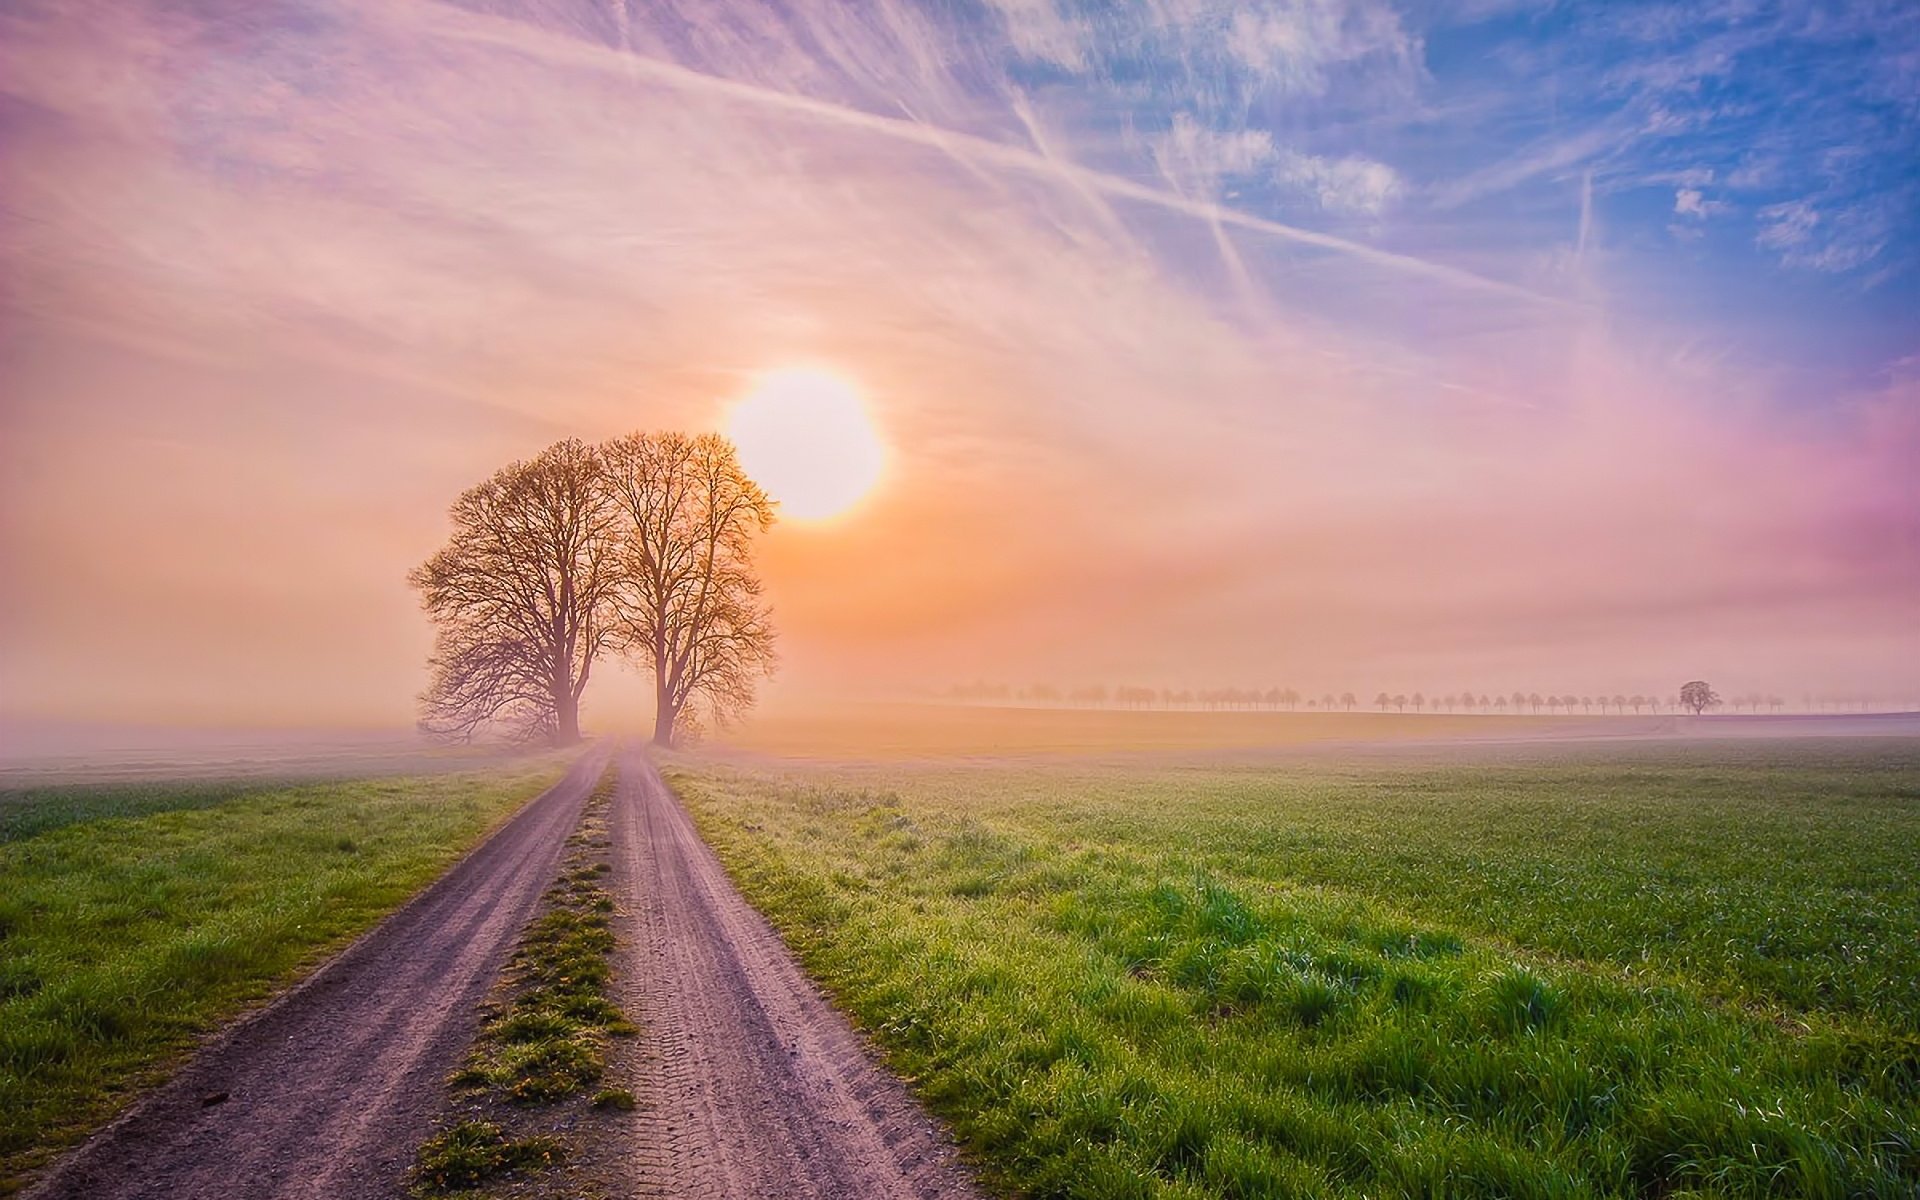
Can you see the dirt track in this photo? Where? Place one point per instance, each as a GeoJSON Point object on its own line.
{"type": "Point", "coordinates": [753, 1085]}
{"type": "Point", "coordinates": [330, 1089]}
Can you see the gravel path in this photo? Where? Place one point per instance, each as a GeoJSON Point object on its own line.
{"type": "Point", "coordinates": [752, 1084]}
{"type": "Point", "coordinates": [328, 1091]}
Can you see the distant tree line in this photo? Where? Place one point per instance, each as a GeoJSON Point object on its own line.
{"type": "Point", "coordinates": [1563, 703]}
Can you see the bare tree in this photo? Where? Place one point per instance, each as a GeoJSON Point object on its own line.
{"type": "Point", "coordinates": [520, 594]}
{"type": "Point", "coordinates": [1348, 700]}
{"type": "Point", "coordinates": [1698, 695]}
{"type": "Point", "coordinates": [690, 607]}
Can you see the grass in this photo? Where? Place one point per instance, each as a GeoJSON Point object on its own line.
{"type": "Point", "coordinates": [1687, 972]}
{"type": "Point", "coordinates": [466, 1155]}
{"type": "Point", "coordinates": [544, 1032]}
{"type": "Point", "coordinates": [27, 812]}
{"type": "Point", "coordinates": [134, 919]}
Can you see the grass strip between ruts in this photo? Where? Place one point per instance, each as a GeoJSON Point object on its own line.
{"type": "Point", "coordinates": [544, 1033]}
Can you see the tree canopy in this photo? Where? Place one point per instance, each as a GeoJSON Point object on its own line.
{"type": "Point", "coordinates": [520, 597]}
{"type": "Point", "coordinates": [641, 546]}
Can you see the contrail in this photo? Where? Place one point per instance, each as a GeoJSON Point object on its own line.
{"type": "Point", "coordinates": [509, 35]}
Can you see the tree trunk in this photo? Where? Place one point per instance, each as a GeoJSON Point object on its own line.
{"type": "Point", "coordinates": [566, 720]}
{"type": "Point", "coordinates": [663, 723]}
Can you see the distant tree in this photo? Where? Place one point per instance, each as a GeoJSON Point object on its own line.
{"type": "Point", "coordinates": [1327, 700]}
{"type": "Point", "coordinates": [1553, 703]}
{"type": "Point", "coordinates": [690, 605]}
{"type": "Point", "coordinates": [1638, 702]}
{"type": "Point", "coordinates": [1533, 701]}
{"type": "Point", "coordinates": [1044, 693]}
{"type": "Point", "coordinates": [1419, 702]}
{"type": "Point", "coordinates": [1400, 701]}
{"type": "Point", "coordinates": [1698, 695]}
{"type": "Point", "coordinates": [1290, 698]}
{"type": "Point", "coordinates": [1586, 704]}
{"type": "Point", "coordinates": [1383, 701]}
{"type": "Point", "coordinates": [1348, 700]}
{"type": "Point", "coordinates": [1520, 701]}
{"type": "Point", "coordinates": [1450, 702]}
{"type": "Point", "coordinates": [522, 598]}
{"type": "Point", "coordinates": [1500, 702]}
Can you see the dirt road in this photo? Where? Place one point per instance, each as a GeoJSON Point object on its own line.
{"type": "Point", "coordinates": [753, 1085]}
{"type": "Point", "coordinates": [330, 1090]}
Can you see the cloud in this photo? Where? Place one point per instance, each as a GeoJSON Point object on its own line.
{"type": "Point", "coordinates": [1294, 47]}
{"type": "Point", "coordinates": [1198, 160]}
{"type": "Point", "coordinates": [1832, 241]}
{"type": "Point", "coordinates": [1690, 202]}
{"type": "Point", "coordinates": [1350, 184]}
{"type": "Point", "coordinates": [1037, 30]}
{"type": "Point", "coordinates": [1552, 157]}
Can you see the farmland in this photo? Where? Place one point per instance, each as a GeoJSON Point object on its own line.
{"type": "Point", "coordinates": [136, 917]}
{"type": "Point", "coordinates": [1682, 968]}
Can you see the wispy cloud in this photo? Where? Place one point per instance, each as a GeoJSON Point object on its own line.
{"type": "Point", "coordinates": [1348, 184]}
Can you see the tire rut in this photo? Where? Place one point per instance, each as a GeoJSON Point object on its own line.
{"type": "Point", "coordinates": [752, 1084]}
{"type": "Point", "coordinates": [330, 1089]}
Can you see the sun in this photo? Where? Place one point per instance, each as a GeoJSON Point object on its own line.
{"type": "Point", "coordinates": [805, 435]}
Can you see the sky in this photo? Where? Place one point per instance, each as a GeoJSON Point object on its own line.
{"type": "Point", "coordinates": [1333, 344]}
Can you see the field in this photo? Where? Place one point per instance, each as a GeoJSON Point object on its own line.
{"type": "Point", "coordinates": [1654, 968]}
{"type": "Point", "coordinates": [135, 917]}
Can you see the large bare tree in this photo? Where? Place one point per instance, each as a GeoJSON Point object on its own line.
{"type": "Point", "coordinates": [522, 596]}
{"type": "Point", "coordinates": [689, 600]}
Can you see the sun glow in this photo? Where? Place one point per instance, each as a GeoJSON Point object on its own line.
{"type": "Point", "coordinates": [805, 435]}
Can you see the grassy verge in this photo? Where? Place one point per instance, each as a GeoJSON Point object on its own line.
{"type": "Point", "coordinates": [134, 923]}
{"type": "Point", "coordinates": [1520, 980]}
{"type": "Point", "coordinates": [539, 1061]}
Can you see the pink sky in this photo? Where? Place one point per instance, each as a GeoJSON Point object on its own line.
{"type": "Point", "coordinates": [279, 286]}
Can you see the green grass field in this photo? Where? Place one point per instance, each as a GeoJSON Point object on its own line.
{"type": "Point", "coordinates": [134, 918]}
{"type": "Point", "coordinates": [1683, 971]}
